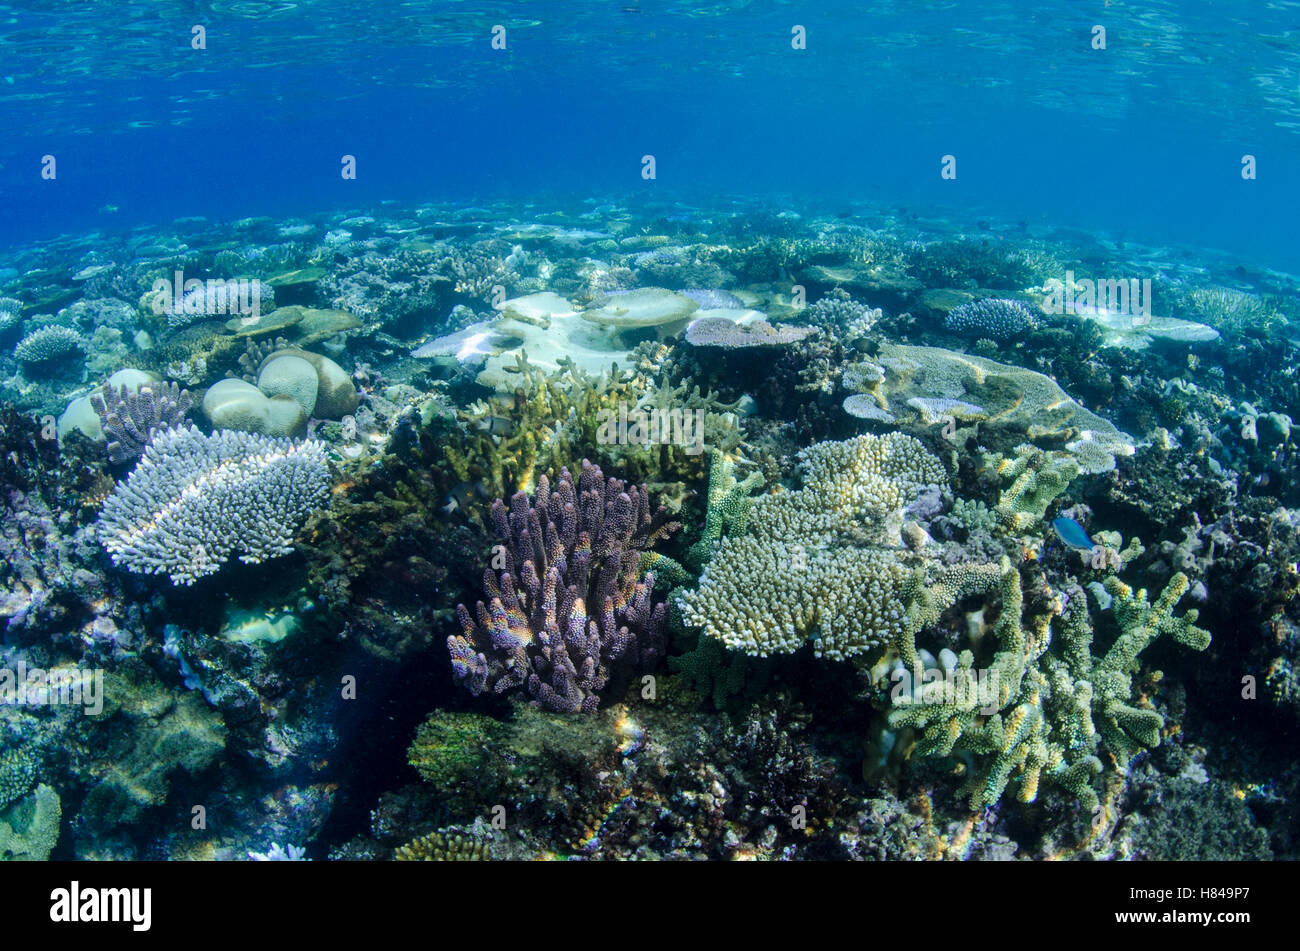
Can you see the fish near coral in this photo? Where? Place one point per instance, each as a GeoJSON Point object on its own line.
{"type": "Point", "coordinates": [1072, 533]}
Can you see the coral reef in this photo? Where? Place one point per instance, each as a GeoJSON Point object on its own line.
{"type": "Point", "coordinates": [1022, 688]}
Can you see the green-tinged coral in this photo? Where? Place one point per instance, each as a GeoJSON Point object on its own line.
{"type": "Point", "coordinates": [1126, 728]}
{"type": "Point", "coordinates": [1227, 308]}
{"type": "Point", "coordinates": [824, 562]}
{"type": "Point", "coordinates": [728, 506]}
{"type": "Point", "coordinates": [618, 418]}
{"type": "Point", "coordinates": [549, 421]}
{"type": "Point", "coordinates": [17, 774]}
{"type": "Point", "coordinates": [1045, 714]}
{"type": "Point", "coordinates": [1199, 820]}
{"type": "Point", "coordinates": [668, 572]}
{"type": "Point", "coordinates": [712, 670]}
{"type": "Point", "coordinates": [444, 847]}
{"type": "Point", "coordinates": [974, 515]}
{"type": "Point", "coordinates": [29, 829]}
{"type": "Point", "coordinates": [965, 719]}
{"type": "Point", "coordinates": [448, 747]}
{"type": "Point", "coordinates": [1037, 479]}
{"type": "Point", "coordinates": [154, 733]}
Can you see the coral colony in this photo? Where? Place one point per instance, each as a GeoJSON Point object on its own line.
{"type": "Point", "coordinates": [566, 606]}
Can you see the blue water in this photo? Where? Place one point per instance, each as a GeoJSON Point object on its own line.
{"type": "Point", "coordinates": [1142, 141]}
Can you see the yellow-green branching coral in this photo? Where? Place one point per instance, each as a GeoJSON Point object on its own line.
{"type": "Point", "coordinates": [1128, 729]}
{"type": "Point", "coordinates": [1048, 714]}
{"type": "Point", "coordinates": [728, 505]}
{"type": "Point", "coordinates": [1037, 479]}
{"type": "Point", "coordinates": [29, 829]}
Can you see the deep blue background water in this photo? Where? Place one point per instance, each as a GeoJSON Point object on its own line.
{"type": "Point", "coordinates": [1143, 140]}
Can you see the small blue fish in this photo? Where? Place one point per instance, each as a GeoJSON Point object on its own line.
{"type": "Point", "coordinates": [1072, 533]}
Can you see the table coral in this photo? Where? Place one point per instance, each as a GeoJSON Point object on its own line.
{"type": "Point", "coordinates": [824, 562]}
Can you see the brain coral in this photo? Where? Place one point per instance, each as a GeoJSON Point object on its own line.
{"type": "Point", "coordinates": [195, 500]}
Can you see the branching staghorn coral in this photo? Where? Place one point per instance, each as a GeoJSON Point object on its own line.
{"type": "Point", "coordinates": [825, 561]}
{"type": "Point", "coordinates": [130, 419]}
{"type": "Point", "coordinates": [47, 344]}
{"type": "Point", "coordinates": [194, 501]}
{"type": "Point", "coordinates": [1037, 478]}
{"type": "Point", "coordinates": [1044, 713]}
{"type": "Point", "coordinates": [565, 605]}
{"type": "Point", "coordinates": [728, 506]}
{"type": "Point", "coordinates": [550, 421]}
{"type": "Point", "coordinates": [556, 419]}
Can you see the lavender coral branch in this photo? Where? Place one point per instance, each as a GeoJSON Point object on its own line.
{"type": "Point", "coordinates": [564, 606]}
{"type": "Point", "coordinates": [129, 419]}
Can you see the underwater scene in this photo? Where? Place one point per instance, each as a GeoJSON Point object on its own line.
{"type": "Point", "coordinates": [649, 430]}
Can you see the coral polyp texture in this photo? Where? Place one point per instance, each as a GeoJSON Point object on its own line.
{"type": "Point", "coordinates": [996, 318]}
{"type": "Point", "coordinates": [49, 344]}
{"type": "Point", "coordinates": [130, 419]}
{"type": "Point", "coordinates": [194, 501]}
{"type": "Point", "coordinates": [567, 607]}
{"type": "Point", "coordinates": [1048, 705]}
{"type": "Point", "coordinates": [729, 335]}
{"type": "Point", "coordinates": [824, 562]}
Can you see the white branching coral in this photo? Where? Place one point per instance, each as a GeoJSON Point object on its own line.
{"type": "Point", "coordinates": [47, 344]}
{"type": "Point", "coordinates": [194, 501]}
{"type": "Point", "coordinates": [824, 562]}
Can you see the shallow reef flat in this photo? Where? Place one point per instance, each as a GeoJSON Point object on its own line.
{"type": "Point", "coordinates": [646, 530]}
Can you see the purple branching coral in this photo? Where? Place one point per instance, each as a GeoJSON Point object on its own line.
{"type": "Point", "coordinates": [129, 420]}
{"type": "Point", "coordinates": [566, 608]}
